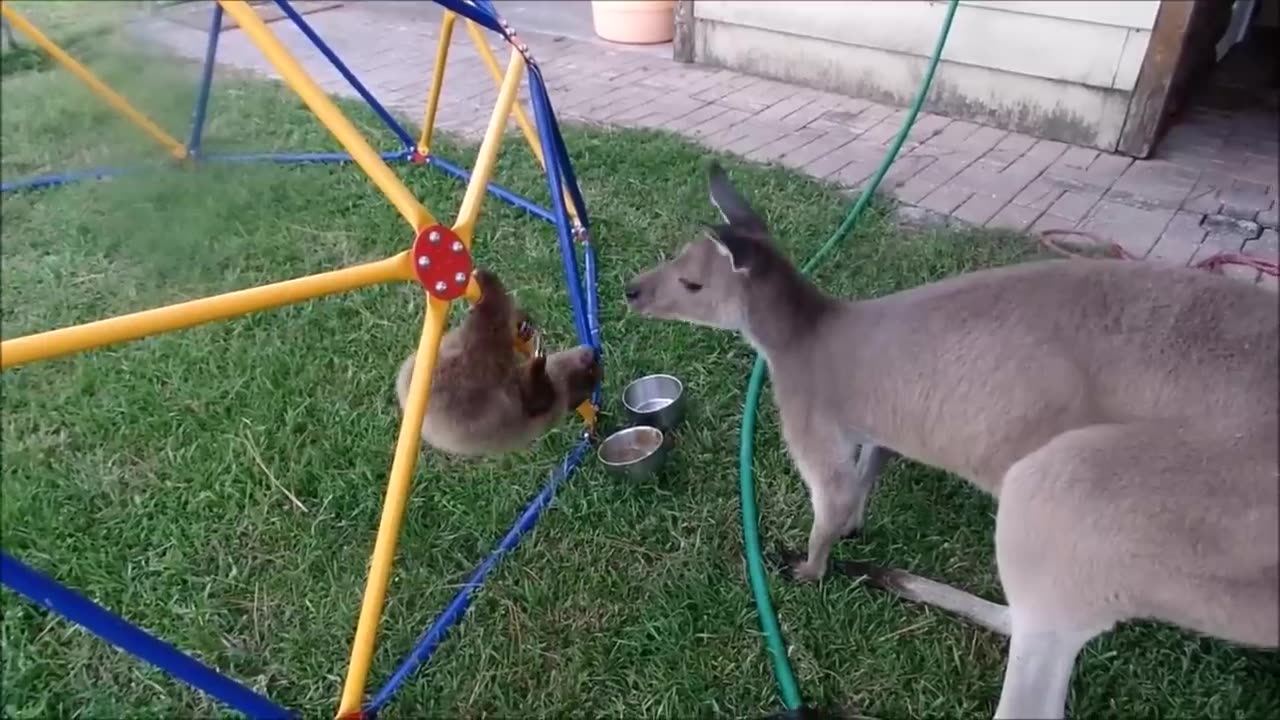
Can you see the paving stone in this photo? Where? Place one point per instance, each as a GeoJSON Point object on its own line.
{"type": "Point", "coordinates": [915, 216]}
{"type": "Point", "coordinates": [926, 126]}
{"type": "Point", "coordinates": [1267, 218]}
{"type": "Point", "coordinates": [1075, 204]}
{"type": "Point", "coordinates": [945, 199]}
{"type": "Point", "coordinates": [980, 207]}
{"type": "Point", "coordinates": [808, 114]}
{"type": "Point", "coordinates": [1244, 199]}
{"type": "Point", "coordinates": [724, 85]}
{"type": "Point", "coordinates": [754, 97]}
{"type": "Point", "coordinates": [695, 118]}
{"type": "Point", "coordinates": [615, 100]}
{"type": "Point", "coordinates": [783, 109]}
{"type": "Point", "coordinates": [759, 134]}
{"type": "Point", "coordinates": [864, 158]}
{"type": "Point", "coordinates": [985, 176]}
{"type": "Point", "coordinates": [953, 136]}
{"type": "Point", "coordinates": [1049, 221]}
{"type": "Point", "coordinates": [629, 112]}
{"type": "Point", "coordinates": [723, 139]}
{"type": "Point", "coordinates": [1228, 233]}
{"type": "Point", "coordinates": [783, 145]}
{"type": "Point", "coordinates": [727, 117]}
{"type": "Point", "coordinates": [914, 190]}
{"type": "Point", "coordinates": [1154, 183]}
{"type": "Point", "coordinates": [831, 162]}
{"type": "Point", "coordinates": [1266, 245]}
{"type": "Point", "coordinates": [1039, 194]}
{"type": "Point", "coordinates": [1011, 148]}
{"type": "Point", "coordinates": [854, 120]}
{"type": "Point", "coordinates": [944, 168]}
{"type": "Point", "coordinates": [1204, 196]}
{"type": "Point", "coordinates": [1107, 168]}
{"type": "Point", "coordinates": [1134, 229]}
{"type": "Point", "coordinates": [828, 142]}
{"type": "Point", "coordinates": [905, 168]}
{"type": "Point", "coordinates": [1180, 240]}
{"type": "Point", "coordinates": [1270, 283]}
{"type": "Point", "coordinates": [1014, 217]}
{"type": "Point", "coordinates": [1079, 157]}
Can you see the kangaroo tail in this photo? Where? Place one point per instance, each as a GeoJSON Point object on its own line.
{"type": "Point", "coordinates": [992, 616]}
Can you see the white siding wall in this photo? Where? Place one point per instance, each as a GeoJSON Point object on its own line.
{"type": "Point", "coordinates": [1059, 68]}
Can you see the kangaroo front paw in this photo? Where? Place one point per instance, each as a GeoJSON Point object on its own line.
{"type": "Point", "coordinates": [794, 567]}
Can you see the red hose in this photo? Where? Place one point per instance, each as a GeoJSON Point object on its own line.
{"type": "Point", "coordinates": [1213, 263]}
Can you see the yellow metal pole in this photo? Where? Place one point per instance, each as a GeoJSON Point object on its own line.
{"type": "Point", "coordinates": [437, 81]}
{"type": "Point", "coordinates": [522, 120]}
{"type": "Point", "coordinates": [64, 341]}
{"type": "Point", "coordinates": [328, 113]}
{"type": "Point", "coordinates": [384, 548]}
{"type": "Point", "coordinates": [99, 88]}
{"type": "Point", "coordinates": [586, 409]}
{"type": "Point", "coordinates": [488, 154]}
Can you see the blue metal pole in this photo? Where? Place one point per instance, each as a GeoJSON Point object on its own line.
{"type": "Point", "coordinates": [206, 81]}
{"type": "Point", "coordinates": [517, 200]}
{"type": "Point", "coordinates": [61, 600]}
{"type": "Point", "coordinates": [474, 12]}
{"type": "Point", "coordinates": [593, 313]}
{"type": "Point", "coordinates": [56, 179]}
{"type": "Point", "coordinates": [318, 157]}
{"type": "Point", "coordinates": [342, 68]}
{"type": "Point", "coordinates": [569, 257]}
{"type": "Point", "coordinates": [457, 607]}
{"type": "Point", "coordinates": [566, 166]}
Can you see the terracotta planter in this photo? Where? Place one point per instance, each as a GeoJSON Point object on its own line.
{"type": "Point", "coordinates": [635, 22]}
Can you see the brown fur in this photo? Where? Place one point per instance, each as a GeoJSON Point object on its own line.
{"type": "Point", "coordinates": [485, 399]}
{"type": "Point", "coordinates": [1124, 414]}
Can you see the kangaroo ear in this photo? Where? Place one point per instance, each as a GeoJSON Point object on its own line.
{"type": "Point", "coordinates": [741, 251]}
{"type": "Point", "coordinates": [537, 394]}
{"type": "Point", "coordinates": [733, 207]}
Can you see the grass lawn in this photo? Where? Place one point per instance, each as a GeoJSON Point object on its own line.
{"type": "Point", "coordinates": [151, 475]}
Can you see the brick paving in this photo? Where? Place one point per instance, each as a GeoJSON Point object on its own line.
{"type": "Point", "coordinates": [1212, 185]}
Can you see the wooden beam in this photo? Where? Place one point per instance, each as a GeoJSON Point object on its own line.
{"type": "Point", "coordinates": [1145, 118]}
{"type": "Point", "coordinates": [682, 45]}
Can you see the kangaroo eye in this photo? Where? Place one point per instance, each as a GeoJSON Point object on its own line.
{"type": "Point", "coordinates": [690, 286]}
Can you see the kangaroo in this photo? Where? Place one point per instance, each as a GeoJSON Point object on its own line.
{"type": "Point", "coordinates": [484, 401]}
{"type": "Point", "coordinates": [1124, 415]}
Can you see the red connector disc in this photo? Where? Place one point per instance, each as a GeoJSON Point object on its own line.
{"type": "Point", "coordinates": [442, 262]}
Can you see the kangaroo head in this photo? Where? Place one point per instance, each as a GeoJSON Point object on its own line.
{"type": "Point", "coordinates": [710, 280]}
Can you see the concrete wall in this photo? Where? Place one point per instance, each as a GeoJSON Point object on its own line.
{"type": "Point", "coordinates": [1058, 69]}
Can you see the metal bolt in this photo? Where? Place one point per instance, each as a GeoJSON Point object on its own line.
{"type": "Point", "coordinates": [457, 246]}
{"type": "Point", "coordinates": [441, 287]}
{"type": "Point", "coordinates": [424, 261]}
{"type": "Point", "coordinates": [460, 278]}
{"type": "Point", "coordinates": [433, 236]}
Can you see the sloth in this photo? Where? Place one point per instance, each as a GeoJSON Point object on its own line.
{"type": "Point", "coordinates": [487, 399]}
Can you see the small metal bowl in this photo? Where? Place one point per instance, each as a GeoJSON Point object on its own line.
{"type": "Point", "coordinates": [636, 452]}
{"type": "Point", "coordinates": [655, 400]}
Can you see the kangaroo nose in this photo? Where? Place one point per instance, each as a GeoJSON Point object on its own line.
{"type": "Point", "coordinates": [632, 292]}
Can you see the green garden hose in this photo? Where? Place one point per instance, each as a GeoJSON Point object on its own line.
{"type": "Point", "coordinates": [787, 688]}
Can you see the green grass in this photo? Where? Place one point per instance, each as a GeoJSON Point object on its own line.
{"type": "Point", "coordinates": [151, 475]}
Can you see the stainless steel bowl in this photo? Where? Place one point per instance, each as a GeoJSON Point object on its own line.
{"type": "Point", "coordinates": [655, 400]}
{"type": "Point", "coordinates": [636, 452]}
